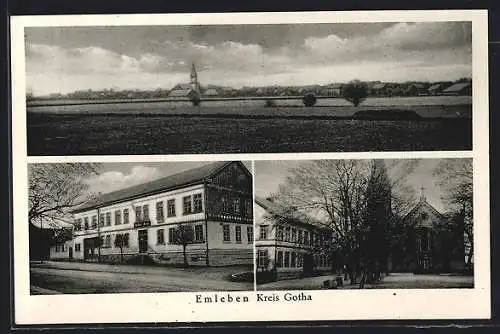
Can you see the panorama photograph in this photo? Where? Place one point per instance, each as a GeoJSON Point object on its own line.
{"type": "Point", "coordinates": [215, 89]}
{"type": "Point", "coordinates": [364, 224]}
{"type": "Point", "coordinates": [140, 227]}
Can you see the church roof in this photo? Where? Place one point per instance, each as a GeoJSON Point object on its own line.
{"type": "Point", "coordinates": [182, 86]}
{"type": "Point", "coordinates": [181, 92]}
{"type": "Point", "coordinates": [185, 178]}
{"type": "Point", "coordinates": [423, 203]}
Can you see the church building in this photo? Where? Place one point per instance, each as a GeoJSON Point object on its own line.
{"type": "Point", "coordinates": [187, 90]}
{"type": "Point", "coordinates": [434, 246]}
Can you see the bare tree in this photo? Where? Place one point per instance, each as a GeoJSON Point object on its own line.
{"type": "Point", "coordinates": [337, 192]}
{"type": "Point", "coordinates": [455, 178]}
{"type": "Point", "coordinates": [54, 189]}
{"type": "Point", "coordinates": [121, 240]}
{"type": "Point", "coordinates": [184, 235]}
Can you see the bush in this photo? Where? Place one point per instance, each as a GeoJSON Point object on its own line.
{"type": "Point", "coordinates": [270, 103]}
{"type": "Point", "coordinates": [266, 276]}
{"type": "Point", "coordinates": [355, 92]}
{"type": "Point", "coordinates": [196, 99]}
{"type": "Point", "coordinates": [309, 100]}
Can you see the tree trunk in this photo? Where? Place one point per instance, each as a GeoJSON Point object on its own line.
{"type": "Point", "coordinates": [121, 254]}
{"type": "Point", "coordinates": [185, 256]}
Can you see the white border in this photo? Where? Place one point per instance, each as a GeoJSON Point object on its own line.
{"type": "Point", "coordinates": [326, 305]}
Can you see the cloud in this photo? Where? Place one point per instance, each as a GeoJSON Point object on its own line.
{"type": "Point", "coordinates": [395, 53]}
{"type": "Point", "coordinates": [114, 180]}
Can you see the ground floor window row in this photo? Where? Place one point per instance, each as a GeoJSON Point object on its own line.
{"type": "Point", "coordinates": [61, 248]}
{"type": "Point", "coordinates": [226, 234]}
{"type": "Point", "coordinates": [179, 235]}
{"type": "Point", "coordinates": [290, 259]}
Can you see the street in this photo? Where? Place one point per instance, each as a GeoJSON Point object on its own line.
{"type": "Point", "coordinates": [393, 281]}
{"type": "Point", "coordinates": [83, 278]}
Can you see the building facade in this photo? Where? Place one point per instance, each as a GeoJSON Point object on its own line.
{"type": "Point", "coordinates": [211, 205]}
{"type": "Point", "coordinates": [291, 246]}
{"type": "Point", "coordinates": [434, 246]}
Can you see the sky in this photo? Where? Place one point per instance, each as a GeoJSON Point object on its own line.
{"type": "Point", "coordinates": [115, 176]}
{"type": "Point", "coordinates": [270, 174]}
{"type": "Point", "coordinates": [64, 59]}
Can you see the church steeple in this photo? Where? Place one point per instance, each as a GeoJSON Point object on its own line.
{"type": "Point", "coordinates": [194, 79]}
{"type": "Point", "coordinates": [422, 195]}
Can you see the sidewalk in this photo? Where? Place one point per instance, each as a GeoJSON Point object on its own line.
{"type": "Point", "coordinates": [205, 272]}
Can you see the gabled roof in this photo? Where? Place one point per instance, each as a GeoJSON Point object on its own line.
{"type": "Point", "coordinates": [434, 87]}
{"type": "Point", "coordinates": [379, 86]}
{"type": "Point", "coordinates": [182, 86]}
{"type": "Point", "coordinates": [211, 91]}
{"type": "Point", "coordinates": [457, 87]}
{"type": "Point", "coordinates": [181, 92]}
{"type": "Point", "coordinates": [299, 217]}
{"type": "Point", "coordinates": [420, 204]}
{"type": "Point", "coordinates": [185, 178]}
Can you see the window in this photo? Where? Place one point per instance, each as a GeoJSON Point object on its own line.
{"type": "Point", "coordinates": [145, 213]}
{"type": "Point", "coordinates": [101, 220]}
{"type": "Point", "coordinates": [226, 233]}
{"type": "Point", "coordinates": [63, 247]}
{"type": "Point", "coordinates": [262, 258]}
{"type": "Point", "coordinates": [160, 236]}
{"type": "Point", "coordinates": [223, 204]}
{"type": "Point", "coordinates": [236, 205]}
{"type": "Point", "coordinates": [187, 205]}
{"type": "Point", "coordinates": [94, 222]}
{"type": "Point", "coordinates": [306, 237]}
{"type": "Point", "coordinates": [238, 234]}
{"type": "Point", "coordinates": [197, 203]}
{"type": "Point", "coordinates": [86, 222]}
{"type": "Point", "coordinates": [77, 247]}
{"type": "Point", "coordinates": [118, 217]}
{"type": "Point", "coordinates": [125, 239]}
{"type": "Point", "coordinates": [248, 208]}
{"type": "Point", "coordinates": [198, 233]}
{"type": "Point", "coordinates": [138, 213]}
{"type": "Point", "coordinates": [125, 216]}
{"type": "Point", "coordinates": [287, 234]}
{"type": "Point", "coordinates": [107, 242]}
{"type": "Point", "coordinates": [294, 235]}
{"type": "Point", "coordinates": [171, 207]}
{"type": "Point", "coordinates": [293, 261]}
{"type": "Point", "coordinates": [102, 241]}
{"type": "Point", "coordinates": [279, 259]}
{"type": "Point", "coordinates": [57, 248]}
{"type": "Point", "coordinates": [300, 237]}
{"type": "Point", "coordinates": [78, 224]}
{"type": "Point", "coordinates": [108, 218]}
{"type": "Point", "coordinates": [279, 233]}
{"type": "Point", "coordinates": [159, 211]}
{"type": "Point", "coordinates": [263, 232]}
{"type": "Point", "coordinates": [250, 234]}
{"type": "Point", "coordinates": [287, 259]}
{"type": "Point", "coordinates": [300, 260]}
{"type": "Point", "coordinates": [171, 235]}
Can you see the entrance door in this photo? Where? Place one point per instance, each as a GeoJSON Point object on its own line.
{"type": "Point", "coordinates": [143, 241]}
{"type": "Point", "coordinates": [70, 253]}
{"type": "Point", "coordinates": [308, 265]}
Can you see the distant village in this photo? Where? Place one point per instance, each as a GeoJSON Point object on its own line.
{"type": "Point", "coordinates": [184, 91]}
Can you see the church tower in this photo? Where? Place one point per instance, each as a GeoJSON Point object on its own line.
{"type": "Point", "coordinates": [194, 79]}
